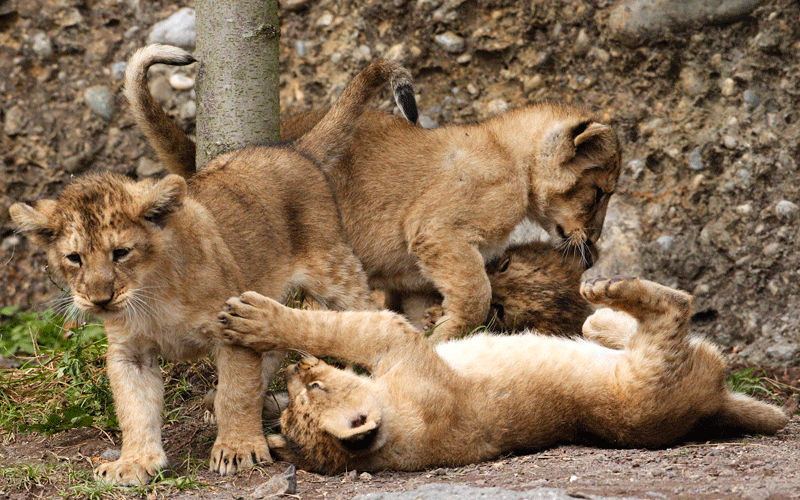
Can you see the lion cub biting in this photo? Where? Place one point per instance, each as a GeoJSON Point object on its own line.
{"type": "Point", "coordinates": [156, 259]}
{"type": "Point", "coordinates": [477, 398]}
{"type": "Point", "coordinates": [425, 209]}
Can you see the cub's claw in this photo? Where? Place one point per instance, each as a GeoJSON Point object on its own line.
{"type": "Point", "coordinates": [246, 321]}
{"type": "Point", "coordinates": [229, 459]}
{"type": "Point", "coordinates": [131, 472]}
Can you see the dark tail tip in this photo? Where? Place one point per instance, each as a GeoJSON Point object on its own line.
{"type": "Point", "coordinates": [404, 97]}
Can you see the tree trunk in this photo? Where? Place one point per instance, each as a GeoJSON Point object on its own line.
{"type": "Point", "coordinates": [238, 102]}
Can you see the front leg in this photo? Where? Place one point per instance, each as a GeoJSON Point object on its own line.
{"type": "Point", "coordinates": [458, 270]}
{"type": "Point", "coordinates": [263, 324]}
{"type": "Point", "coordinates": [138, 391]}
{"type": "Point", "coordinates": [240, 397]}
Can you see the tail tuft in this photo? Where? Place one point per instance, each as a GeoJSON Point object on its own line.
{"type": "Point", "coordinates": [403, 90]}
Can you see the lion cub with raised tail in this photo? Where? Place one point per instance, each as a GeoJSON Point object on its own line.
{"type": "Point", "coordinates": [156, 259]}
{"type": "Point", "coordinates": [480, 397]}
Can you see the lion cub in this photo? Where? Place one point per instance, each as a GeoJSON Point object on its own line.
{"type": "Point", "coordinates": [477, 398]}
{"type": "Point", "coordinates": [156, 259]}
{"type": "Point", "coordinates": [425, 209]}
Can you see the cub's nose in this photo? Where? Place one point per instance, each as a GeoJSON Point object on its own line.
{"type": "Point", "coordinates": [308, 362]}
{"type": "Point", "coordinates": [102, 303]}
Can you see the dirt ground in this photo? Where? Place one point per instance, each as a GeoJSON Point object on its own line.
{"type": "Point", "coordinates": [709, 119]}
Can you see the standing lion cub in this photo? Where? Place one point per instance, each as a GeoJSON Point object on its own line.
{"type": "Point", "coordinates": [477, 398]}
{"type": "Point", "coordinates": [156, 259]}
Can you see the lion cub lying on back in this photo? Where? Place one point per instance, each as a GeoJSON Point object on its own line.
{"type": "Point", "coordinates": [477, 398]}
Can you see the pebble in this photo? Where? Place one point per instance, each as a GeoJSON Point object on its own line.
{"type": "Point", "coordinates": [111, 455]}
{"type": "Point", "coordinates": [118, 70]}
{"type": "Point", "coordinates": [582, 43]}
{"type": "Point", "coordinates": [101, 101]}
{"type": "Point", "coordinates": [464, 59]}
{"type": "Point", "coordinates": [42, 45]}
{"type": "Point", "coordinates": [497, 106]}
{"type": "Point", "coordinates": [294, 4]}
{"type": "Point", "coordinates": [665, 242]}
{"type": "Point", "coordinates": [472, 89]}
{"type": "Point", "coordinates": [729, 141]}
{"type": "Point", "coordinates": [300, 48]}
{"type": "Point", "coordinates": [181, 82]}
{"type": "Point", "coordinates": [636, 168]}
{"type": "Point", "coordinates": [745, 209]}
{"type": "Point", "coordinates": [188, 110]}
{"type": "Point", "coordinates": [450, 42]}
{"type": "Point", "coordinates": [325, 19]}
{"type": "Point", "coordinates": [696, 160]}
{"type": "Point", "coordinates": [396, 52]}
{"type": "Point", "coordinates": [147, 167]}
{"type": "Point", "coordinates": [751, 98]}
{"type": "Point", "coordinates": [178, 29]}
{"type": "Point", "coordinates": [771, 249]}
{"type": "Point", "coordinates": [425, 121]}
{"type": "Point", "coordinates": [728, 87]}
{"type": "Point", "coordinates": [691, 82]}
{"type": "Point", "coordinates": [365, 476]}
{"type": "Point", "coordinates": [786, 209]}
{"type": "Point", "coordinates": [14, 122]}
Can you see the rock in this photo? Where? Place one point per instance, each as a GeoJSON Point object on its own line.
{"type": "Point", "coordinates": [751, 98]}
{"type": "Point", "coordinates": [148, 168]}
{"type": "Point", "coordinates": [365, 476]}
{"type": "Point", "coordinates": [450, 42]}
{"type": "Point", "coordinates": [696, 160]}
{"type": "Point", "coordinates": [783, 353]}
{"type": "Point", "coordinates": [293, 4]}
{"type": "Point", "coordinates": [14, 122]}
{"type": "Point", "coordinates": [325, 19]}
{"type": "Point", "coordinates": [464, 59]}
{"type": "Point", "coordinates": [665, 242]}
{"type": "Point", "coordinates": [497, 106]}
{"type": "Point", "coordinates": [635, 22]}
{"type": "Point", "coordinates": [69, 17]}
{"type": "Point", "coordinates": [425, 121]}
{"type": "Point", "coordinates": [396, 52]}
{"type": "Point", "coordinates": [635, 168]}
{"type": "Point", "coordinates": [771, 249]}
{"type": "Point", "coordinates": [178, 29]}
{"type": "Point", "coordinates": [284, 483]}
{"type": "Point", "coordinates": [181, 82]}
{"type": "Point", "coordinates": [101, 101]}
{"type": "Point", "coordinates": [42, 45]}
{"type": "Point", "coordinates": [188, 110]}
{"type": "Point", "coordinates": [786, 210]}
{"type": "Point", "coordinates": [110, 455]}
{"type": "Point", "coordinates": [118, 70]}
{"type": "Point", "coordinates": [582, 43]}
{"type": "Point", "coordinates": [690, 81]}
{"type": "Point", "coordinates": [727, 87]}
{"type": "Point", "coordinates": [745, 209]}
{"type": "Point", "coordinates": [729, 141]}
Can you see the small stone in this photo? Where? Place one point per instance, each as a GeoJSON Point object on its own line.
{"type": "Point", "coordinates": [425, 121]}
{"type": "Point", "coordinates": [729, 141]}
{"type": "Point", "coordinates": [600, 54]}
{"type": "Point", "coordinates": [42, 45]}
{"type": "Point", "coordinates": [728, 87]}
{"type": "Point", "coordinates": [745, 209]}
{"type": "Point", "coordinates": [365, 476]}
{"type": "Point", "coordinates": [294, 4]}
{"type": "Point", "coordinates": [181, 82]}
{"type": "Point", "coordinates": [278, 485]}
{"type": "Point", "coordinates": [110, 455]}
{"type": "Point", "coordinates": [665, 242]}
{"type": "Point", "coordinates": [691, 82]}
{"type": "Point", "coordinates": [101, 101]}
{"type": "Point", "coordinates": [751, 98]}
{"type": "Point", "coordinates": [148, 168]}
{"type": "Point", "coordinates": [325, 19]}
{"type": "Point", "coordinates": [582, 43]}
{"type": "Point", "coordinates": [472, 89]}
{"type": "Point", "coordinates": [771, 249]}
{"type": "Point", "coordinates": [786, 209]}
{"type": "Point", "coordinates": [69, 17]}
{"type": "Point", "coordinates": [497, 106]}
{"type": "Point", "coordinates": [396, 52]}
{"type": "Point", "coordinates": [300, 48]}
{"type": "Point", "coordinates": [14, 122]}
{"type": "Point", "coordinates": [118, 70]}
{"type": "Point", "coordinates": [464, 59]}
{"type": "Point", "coordinates": [636, 168]}
{"type": "Point", "coordinates": [188, 110]}
{"type": "Point", "coordinates": [178, 29]}
{"type": "Point", "coordinates": [450, 42]}
{"type": "Point", "coordinates": [696, 160]}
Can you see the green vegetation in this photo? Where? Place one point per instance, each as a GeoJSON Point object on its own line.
{"type": "Point", "coordinates": [754, 382]}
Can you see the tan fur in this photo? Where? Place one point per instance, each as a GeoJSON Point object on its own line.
{"type": "Point", "coordinates": [425, 209]}
{"type": "Point", "coordinates": [155, 260]}
{"type": "Point", "coordinates": [477, 398]}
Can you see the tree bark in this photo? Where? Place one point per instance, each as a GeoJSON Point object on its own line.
{"type": "Point", "coordinates": [238, 102]}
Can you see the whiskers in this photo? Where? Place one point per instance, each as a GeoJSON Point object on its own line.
{"type": "Point", "coordinates": [575, 246]}
{"type": "Point", "coordinates": [142, 306]}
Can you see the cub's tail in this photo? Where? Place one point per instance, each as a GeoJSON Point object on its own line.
{"type": "Point", "coordinates": [175, 150]}
{"type": "Point", "coordinates": [329, 138]}
{"type": "Point", "coordinates": [743, 414]}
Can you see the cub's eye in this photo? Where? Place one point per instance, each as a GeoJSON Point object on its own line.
{"type": "Point", "coordinates": [74, 258]}
{"type": "Point", "coordinates": [120, 253]}
{"type": "Point", "coordinates": [504, 265]}
{"type": "Point", "coordinates": [316, 385]}
{"type": "Point", "coordinates": [598, 194]}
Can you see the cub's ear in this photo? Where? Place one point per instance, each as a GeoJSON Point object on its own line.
{"type": "Point", "coordinates": [594, 142]}
{"type": "Point", "coordinates": [356, 431]}
{"type": "Point", "coordinates": [36, 220]}
{"type": "Point", "coordinates": [163, 199]}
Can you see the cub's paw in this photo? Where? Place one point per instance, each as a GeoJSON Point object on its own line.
{"type": "Point", "coordinates": [229, 457]}
{"type": "Point", "coordinates": [635, 296]}
{"type": "Point", "coordinates": [131, 471]}
{"type": "Point", "coordinates": [246, 321]}
{"type": "Point", "coordinates": [432, 316]}
{"type": "Point", "coordinates": [609, 328]}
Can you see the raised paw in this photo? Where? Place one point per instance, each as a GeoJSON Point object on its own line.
{"type": "Point", "coordinates": [639, 298]}
{"type": "Point", "coordinates": [131, 471]}
{"type": "Point", "coordinates": [229, 458]}
{"type": "Point", "coordinates": [246, 321]}
{"type": "Point", "coordinates": [432, 315]}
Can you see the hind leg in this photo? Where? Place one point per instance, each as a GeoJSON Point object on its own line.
{"type": "Point", "coordinates": [337, 280]}
{"type": "Point", "coordinates": [609, 328]}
